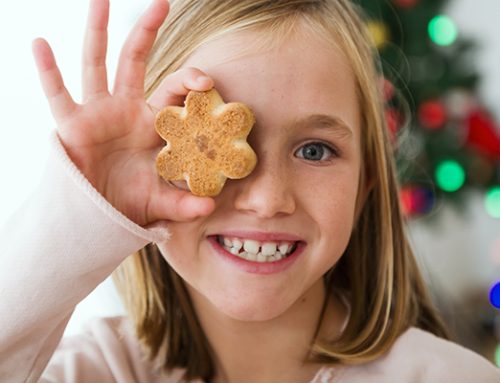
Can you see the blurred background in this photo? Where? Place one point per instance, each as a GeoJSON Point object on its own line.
{"type": "Point", "coordinates": [442, 92]}
{"type": "Point", "coordinates": [440, 56]}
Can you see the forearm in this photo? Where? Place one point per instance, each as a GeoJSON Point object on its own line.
{"type": "Point", "coordinates": [63, 242]}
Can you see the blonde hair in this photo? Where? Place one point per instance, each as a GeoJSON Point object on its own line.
{"type": "Point", "coordinates": [378, 271]}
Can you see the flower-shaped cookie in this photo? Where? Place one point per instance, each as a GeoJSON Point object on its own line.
{"type": "Point", "coordinates": [206, 142]}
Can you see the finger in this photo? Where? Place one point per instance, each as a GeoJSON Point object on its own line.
{"type": "Point", "coordinates": [94, 75]}
{"type": "Point", "coordinates": [179, 205]}
{"type": "Point", "coordinates": [60, 101]}
{"type": "Point", "coordinates": [132, 63]}
{"type": "Point", "coordinates": [174, 88]}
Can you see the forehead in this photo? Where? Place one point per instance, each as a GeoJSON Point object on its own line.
{"type": "Point", "coordinates": [297, 75]}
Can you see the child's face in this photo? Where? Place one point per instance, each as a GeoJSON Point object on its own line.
{"type": "Point", "coordinates": [301, 92]}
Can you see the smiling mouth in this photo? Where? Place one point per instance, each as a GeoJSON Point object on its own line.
{"type": "Point", "coordinates": [257, 251]}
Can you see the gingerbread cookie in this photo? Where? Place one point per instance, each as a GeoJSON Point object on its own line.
{"type": "Point", "coordinates": [206, 142]}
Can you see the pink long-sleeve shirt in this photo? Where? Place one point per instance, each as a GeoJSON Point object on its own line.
{"type": "Point", "coordinates": [67, 239]}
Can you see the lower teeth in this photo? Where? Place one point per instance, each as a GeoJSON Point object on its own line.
{"type": "Point", "coordinates": [260, 257]}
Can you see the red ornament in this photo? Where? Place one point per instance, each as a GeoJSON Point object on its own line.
{"type": "Point", "coordinates": [394, 121]}
{"type": "Point", "coordinates": [482, 133]}
{"type": "Point", "coordinates": [432, 114]}
{"type": "Point", "coordinates": [387, 89]}
{"type": "Point", "coordinates": [416, 200]}
{"type": "Point", "coordinates": [406, 198]}
{"type": "Point", "coordinates": [406, 3]}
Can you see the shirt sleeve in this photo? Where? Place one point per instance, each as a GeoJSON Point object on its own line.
{"type": "Point", "coordinates": [63, 242]}
{"type": "Point", "coordinates": [107, 350]}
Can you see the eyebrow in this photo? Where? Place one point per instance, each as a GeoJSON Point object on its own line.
{"type": "Point", "coordinates": [325, 122]}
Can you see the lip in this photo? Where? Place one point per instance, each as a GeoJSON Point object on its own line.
{"type": "Point", "coordinates": [257, 267]}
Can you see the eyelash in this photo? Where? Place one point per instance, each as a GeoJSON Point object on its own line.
{"type": "Point", "coordinates": [333, 152]}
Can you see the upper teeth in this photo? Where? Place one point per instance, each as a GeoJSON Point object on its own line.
{"type": "Point", "coordinates": [257, 251]}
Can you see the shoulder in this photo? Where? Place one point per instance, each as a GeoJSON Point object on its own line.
{"type": "Point", "coordinates": [106, 350]}
{"type": "Point", "coordinates": [421, 357]}
{"type": "Point", "coordinates": [436, 359]}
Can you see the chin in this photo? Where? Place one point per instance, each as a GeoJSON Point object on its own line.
{"type": "Point", "coordinates": [251, 313]}
{"type": "Point", "coordinates": [257, 306]}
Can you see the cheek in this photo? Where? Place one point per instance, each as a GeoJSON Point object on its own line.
{"type": "Point", "coordinates": [180, 251]}
{"type": "Point", "coordinates": [331, 205]}
{"type": "Point", "coordinates": [332, 195]}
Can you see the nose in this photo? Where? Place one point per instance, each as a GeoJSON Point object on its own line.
{"type": "Point", "coordinates": [267, 192]}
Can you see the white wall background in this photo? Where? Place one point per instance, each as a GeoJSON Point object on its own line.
{"type": "Point", "coordinates": [457, 250]}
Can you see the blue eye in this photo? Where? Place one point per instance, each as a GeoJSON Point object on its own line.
{"type": "Point", "coordinates": [315, 151]}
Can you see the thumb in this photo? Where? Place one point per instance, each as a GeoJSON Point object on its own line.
{"type": "Point", "coordinates": [179, 205]}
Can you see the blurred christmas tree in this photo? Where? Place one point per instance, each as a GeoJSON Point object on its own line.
{"type": "Point", "coordinates": [452, 142]}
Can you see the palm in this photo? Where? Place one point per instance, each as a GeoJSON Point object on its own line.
{"type": "Point", "coordinates": [112, 141]}
{"type": "Point", "coordinates": [111, 118]}
{"type": "Point", "coordinates": [110, 136]}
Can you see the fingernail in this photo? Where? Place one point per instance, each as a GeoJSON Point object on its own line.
{"type": "Point", "coordinates": [203, 79]}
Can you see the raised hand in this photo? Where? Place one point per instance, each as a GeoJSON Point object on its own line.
{"type": "Point", "coordinates": [110, 136]}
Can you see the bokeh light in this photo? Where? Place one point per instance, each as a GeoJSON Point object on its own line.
{"type": "Point", "coordinates": [416, 200]}
{"type": "Point", "coordinates": [450, 175]}
{"type": "Point", "coordinates": [379, 31]}
{"type": "Point", "coordinates": [495, 295]}
{"type": "Point", "coordinates": [492, 202]}
{"type": "Point", "coordinates": [442, 30]}
{"type": "Point", "coordinates": [432, 114]}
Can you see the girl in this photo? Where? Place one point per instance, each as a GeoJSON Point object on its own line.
{"type": "Point", "coordinates": [346, 304]}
